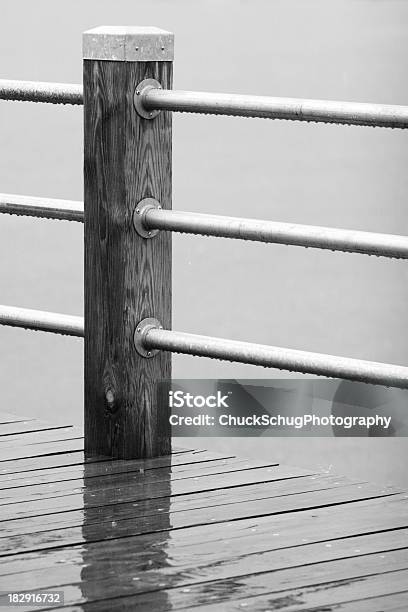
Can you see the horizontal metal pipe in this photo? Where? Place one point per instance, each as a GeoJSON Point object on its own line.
{"type": "Point", "coordinates": [277, 357]}
{"type": "Point", "coordinates": [42, 321]}
{"type": "Point", "coordinates": [45, 208]}
{"type": "Point", "coordinates": [386, 245]}
{"type": "Point", "coordinates": [36, 91]}
{"type": "Point", "coordinates": [219, 348]}
{"type": "Point", "coordinates": [351, 113]}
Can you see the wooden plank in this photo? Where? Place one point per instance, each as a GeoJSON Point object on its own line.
{"type": "Point", "coordinates": [38, 450]}
{"type": "Point", "coordinates": [147, 489]}
{"type": "Point", "coordinates": [6, 417]}
{"type": "Point", "coordinates": [327, 581]}
{"type": "Point", "coordinates": [197, 530]}
{"type": "Point", "coordinates": [175, 558]}
{"type": "Point", "coordinates": [23, 441]}
{"type": "Point", "coordinates": [111, 526]}
{"type": "Point", "coordinates": [289, 529]}
{"type": "Point", "coordinates": [127, 277]}
{"type": "Point", "coordinates": [30, 426]}
{"type": "Point", "coordinates": [319, 598]}
{"type": "Point", "coordinates": [29, 464]}
{"type": "Point", "coordinates": [112, 482]}
{"type": "Point", "coordinates": [208, 499]}
{"type": "Point", "coordinates": [177, 462]}
{"type": "Point", "coordinates": [397, 602]}
{"type": "Point", "coordinates": [216, 497]}
{"type": "Point", "coordinates": [18, 493]}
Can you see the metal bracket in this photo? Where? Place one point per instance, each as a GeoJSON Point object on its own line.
{"type": "Point", "coordinates": [141, 90]}
{"type": "Point", "coordinates": [138, 217]}
{"type": "Point", "coordinates": [140, 334]}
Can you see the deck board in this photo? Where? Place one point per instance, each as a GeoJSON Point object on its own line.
{"type": "Point", "coordinates": [104, 468]}
{"type": "Point", "coordinates": [20, 428]}
{"type": "Point", "coordinates": [6, 417]}
{"type": "Point", "coordinates": [194, 530]}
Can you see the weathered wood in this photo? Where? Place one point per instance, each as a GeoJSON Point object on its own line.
{"type": "Point", "coordinates": [127, 479]}
{"type": "Point", "coordinates": [258, 594]}
{"type": "Point", "coordinates": [127, 277]}
{"type": "Point", "coordinates": [397, 602]}
{"type": "Point", "coordinates": [41, 449]}
{"type": "Point", "coordinates": [101, 469]}
{"type": "Point", "coordinates": [159, 518]}
{"type": "Point", "coordinates": [297, 587]}
{"type": "Point", "coordinates": [143, 490]}
{"type": "Point", "coordinates": [192, 501]}
{"type": "Point", "coordinates": [182, 564]}
{"type": "Point", "coordinates": [197, 530]}
{"type": "Point", "coordinates": [21, 465]}
{"type": "Point", "coordinates": [17, 427]}
{"type": "Point", "coordinates": [28, 439]}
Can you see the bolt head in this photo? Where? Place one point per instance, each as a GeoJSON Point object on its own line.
{"type": "Point", "coordinates": [150, 233]}
{"type": "Point", "coordinates": [137, 92]}
{"type": "Point", "coordinates": [138, 211]}
{"type": "Point", "coordinates": [149, 353]}
{"type": "Point", "coordinates": [139, 329]}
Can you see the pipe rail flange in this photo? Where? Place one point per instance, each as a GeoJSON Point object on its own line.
{"type": "Point", "coordinates": [140, 92]}
{"type": "Point", "coordinates": [140, 334]}
{"type": "Point", "coordinates": [139, 214]}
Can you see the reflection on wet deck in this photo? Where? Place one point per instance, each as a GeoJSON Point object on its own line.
{"type": "Point", "coordinates": [194, 530]}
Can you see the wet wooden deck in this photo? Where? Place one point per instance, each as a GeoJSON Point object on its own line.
{"type": "Point", "coordinates": [195, 530]}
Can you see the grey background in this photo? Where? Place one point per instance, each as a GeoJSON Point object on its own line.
{"type": "Point", "coordinates": [320, 174]}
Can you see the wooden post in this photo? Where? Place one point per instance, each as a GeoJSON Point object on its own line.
{"type": "Point", "coordinates": [127, 278]}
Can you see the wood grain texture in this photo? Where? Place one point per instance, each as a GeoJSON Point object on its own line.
{"type": "Point", "coordinates": [104, 468]}
{"type": "Point", "coordinates": [196, 531]}
{"type": "Point", "coordinates": [127, 278]}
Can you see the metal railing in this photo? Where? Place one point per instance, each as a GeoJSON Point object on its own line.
{"type": "Point", "coordinates": [39, 320]}
{"type": "Point", "coordinates": [236, 105]}
{"type": "Point", "coordinates": [44, 208]}
{"type": "Point", "coordinates": [351, 241]}
{"type": "Point", "coordinates": [272, 232]}
{"type": "Point", "coordinates": [109, 145]}
{"type": "Point", "coordinates": [276, 357]}
{"type": "Point", "coordinates": [35, 91]}
{"type": "Point", "coordinates": [386, 245]}
{"type": "Point", "coordinates": [153, 338]}
{"type": "Point", "coordinates": [321, 111]}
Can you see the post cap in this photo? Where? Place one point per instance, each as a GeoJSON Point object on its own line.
{"type": "Point", "coordinates": [128, 44]}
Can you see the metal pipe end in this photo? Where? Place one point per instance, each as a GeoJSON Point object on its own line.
{"type": "Point", "coordinates": [140, 93]}
{"type": "Point", "coordinates": [139, 215]}
{"type": "Point", "coordinates": [139, 337]}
